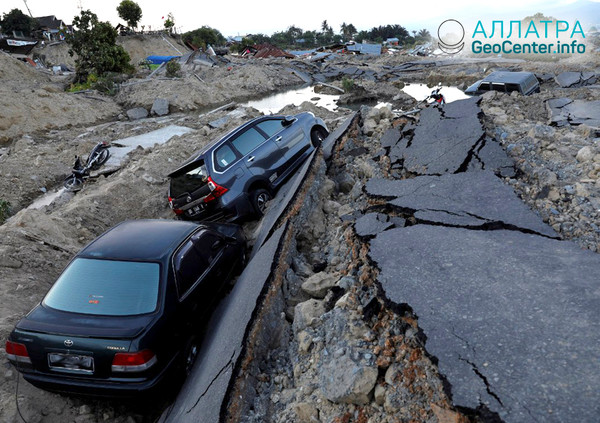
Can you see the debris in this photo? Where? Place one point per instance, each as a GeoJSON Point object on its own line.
{"type": "Point", "coordinates": [160, 107]}
{"type": "Point", "coordinates": [137, 113]}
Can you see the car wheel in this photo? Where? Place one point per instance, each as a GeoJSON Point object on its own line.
{"type": "Point", "coordinates": [259, 199]}
{"type": "Point", "coordinates": [317, 136]}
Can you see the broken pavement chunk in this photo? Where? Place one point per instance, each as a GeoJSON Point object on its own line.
{"type": "Point", "coordinates": [371, 224]}
{"type": "Point", "coordinates": [470, 199]}
{"type": "Point", "coordinates": [443, 139]}
{"type": "Point", "coordinates": [513, 318]}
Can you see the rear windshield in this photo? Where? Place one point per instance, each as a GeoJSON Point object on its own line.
{"type": "Point", "coordinates": [106, 287]}
{"type": "Point", "coordinates": [189, 180]}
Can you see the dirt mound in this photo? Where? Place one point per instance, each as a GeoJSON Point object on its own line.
{"type": "Point", "coordinates": [141, 46]}
{"type": "Point", "coordinates": [31, 102]}
{"type": "Point", "coordinates": [209, 86]}
{"type": "Point", "coordinates": [138, 46]}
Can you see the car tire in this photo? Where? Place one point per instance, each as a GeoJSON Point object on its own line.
{"type": "Point", "coordinates": [259, 199]}
{"type": "Point", "coordinates": [317, 136]}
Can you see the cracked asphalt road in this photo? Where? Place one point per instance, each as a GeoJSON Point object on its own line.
{"type": "Point", "coordinates": [511, 313]}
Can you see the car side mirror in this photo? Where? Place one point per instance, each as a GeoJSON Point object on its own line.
{"type": "Point", "coordinates": [217, 244]}
{"type": "Point", "coordinates": [287, 121]}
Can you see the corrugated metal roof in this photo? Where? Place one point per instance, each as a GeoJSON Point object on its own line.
{"type": "Point", "coordinates": [365, 48]}
{"type": "Point", "coordinates": [269, 50]}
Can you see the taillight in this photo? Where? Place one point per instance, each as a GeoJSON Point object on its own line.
{"type": "Point", "coordinates": [133, 362]}
{"type": "Point", "coordinates": [216, 190]}
{"type": "Point", "coordinates": [177, 211]}
{"type": "Point", "coordinates": [17, 352]}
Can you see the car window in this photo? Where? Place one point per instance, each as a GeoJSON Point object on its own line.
{"type": "Point", "coordinates": [498, 87]}
{"type": "Point", "coordinates": [248, 141]}
{"type": "Point", "coordinates": [209, 245]}
{"type": "Point", "coordinates": [189, 180]}
{"type": "Point", "coordinates": [224, 157]}
{"type": "Point", "coordinates": [512, 87]}
{"type": "Point", "coordinates": [484, 86]}
{"type": "Point", "coordinates": [106, 287]}
{"type": "Point", "coordinates": [271, 126]}
{"type": "Point", "coordinates": [189, 264]}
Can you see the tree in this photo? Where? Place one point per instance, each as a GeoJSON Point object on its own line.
{"type": "Point", "coordinates": [347, 31]}
{"type": "Point", "coordinates": [94, 42]}
{"type": "Point", "coordinates": [203, 36]}
{"type": "Point", "coordinates": [424, 35]}
{"type": "Point", "coordinates": [170, 22]}
{"type": "Point", "coordinates": [325, 26]}
{"type": "Point", "coordinates": [130, 12]}
{"type": "Point", "coordinates": [15, 20]}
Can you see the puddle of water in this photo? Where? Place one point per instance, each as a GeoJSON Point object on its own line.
{"type": "Point", "coordinates": [46, 199]}
{"type": "Point", "coordinates": [149, 139]}
{"type": "Point", "coordinates": [274, 103]}
{"type": "Point", "coordinates": [421, 91]}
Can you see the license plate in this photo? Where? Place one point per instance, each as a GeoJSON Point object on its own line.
{"type": "Point", "coordinates": [71, 363]}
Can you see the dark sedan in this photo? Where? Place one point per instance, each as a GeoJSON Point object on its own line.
{"type": "Point", "coordinates": [125, 312]}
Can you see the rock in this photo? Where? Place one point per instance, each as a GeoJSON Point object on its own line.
{"type": "Point", "coordinates": [542, 131]}
{"type": "Point", "coordinates": [448, 416]}
{"type": "Point", "coordinates": [160, 107]}
{"type": "Point", "coordinates": [137, 113]}
{"type": "Point", "coordinates": [307, 314]}
{"type": "Point", "coordinates": [84, 409]}
{"type": "Point", "coordinates": [304, 341]}
{"type": "Point", "coordinates": [345, 381]}
{"type": "Point", "coordinates": [379, 394]}
{"type": "Point", "coordinates": [369, 127]}
{"type": "Point", "coordinates": [581, 190]}
{"type": "Point", "coordinates": [330, 206]}
{"type": "Point", "coordinates": [318, 284]}
{"type": "Point", "coordinates": [586, 154]}
{"type": "Point", "coordinates": [306, 412]}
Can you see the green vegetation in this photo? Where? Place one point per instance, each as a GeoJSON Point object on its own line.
{"type": "Point", "coordinates": [204, 36]}
{"type": "Point", "coordinates": [173, 67]}
{"type": "Point", "coordinates": [5, 210]}
{"type": "Point", "coordinates": [130, 12]}
{"type": "Point", "coordinates": [347, 84]}
{"type": "Point", "coordinates": [170, 22]}
{"type": "Point", "coordinates": [107, 84]}
{"type": "Point", "coordinates": [94, 42]}
{"type": "Point", "coordinates": [15, 20]}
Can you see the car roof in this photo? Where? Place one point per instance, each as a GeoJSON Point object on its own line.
{"type": "Point", "coordinates": [508, 77]}
{"type": "Point", "coordinates": [199, 155]}
{"type": "Point", "coordinates": [140, 240]}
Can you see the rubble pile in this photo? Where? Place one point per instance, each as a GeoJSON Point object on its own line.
{"type": "Point", "coordinates": [559, 165]}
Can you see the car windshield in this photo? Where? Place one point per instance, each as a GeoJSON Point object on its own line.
{"type": "Point", "coordinates": [189, 180]}
{"type": "Point", "coordinates": [106, 287]}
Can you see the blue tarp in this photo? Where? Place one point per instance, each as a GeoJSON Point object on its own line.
{"type": "Point", "coordinates": [159, 60]}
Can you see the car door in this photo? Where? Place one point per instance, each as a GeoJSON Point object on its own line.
{"type": "Point", "coordinates": [262, 156]}
{"type": "Point", "coordinates": [291, 139]}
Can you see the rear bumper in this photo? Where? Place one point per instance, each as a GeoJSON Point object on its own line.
{"type": "Point", "coordinates": [224, 209]}
{"type": "Point", "coordinates": [112, 387]}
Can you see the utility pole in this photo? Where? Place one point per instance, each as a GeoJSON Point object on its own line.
{"type": "Point", "coordinates": [25, 1]}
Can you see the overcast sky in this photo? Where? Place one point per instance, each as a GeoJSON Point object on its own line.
{"type": "Point", "coordinates": [235, 17]}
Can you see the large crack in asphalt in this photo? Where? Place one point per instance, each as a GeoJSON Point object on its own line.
{"type": "Point", "coordinates": [227, 365]}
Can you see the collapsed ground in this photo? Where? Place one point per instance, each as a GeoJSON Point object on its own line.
{"type": "Point", "coordinates": [554, 178]}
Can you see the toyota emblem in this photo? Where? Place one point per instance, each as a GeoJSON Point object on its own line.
{"type": "Point", "coordinates": [68, 343]}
